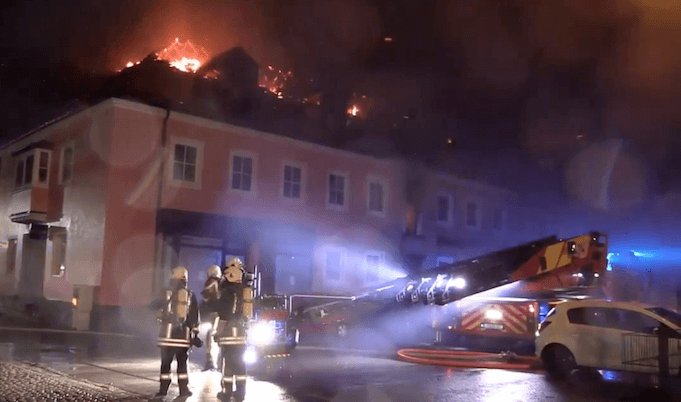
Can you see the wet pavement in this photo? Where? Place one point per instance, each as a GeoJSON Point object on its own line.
{"type": "Point", "coordinates": [78, 368]}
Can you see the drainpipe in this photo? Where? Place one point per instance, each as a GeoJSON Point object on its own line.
{"type": "Point", "coordinates": [158, 248]}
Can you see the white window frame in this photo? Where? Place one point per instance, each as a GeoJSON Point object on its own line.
{"type": "Point", "coordinates": [342, 264]}
{"type": "Point", "coordinates": [35, 169]}
{"type": "Point", "coordinates": [503, 219]}
{"type": "Point", "coordinates": [381, 262]}
{"type": "Point", "coordinates": [346, 192]}
{"type": "Point", "coordinates": [450, 209]}
{"type": "Point", "coordinates": [478, 213]}
{"type": "Point", "coordinates": [384, 184]}
{"type": "Point", "coordinates": [303, 180]}
{"type": "Point", "coordinates": [62, 163]}
{"type": "Point", "coordinates": [254, 172]}
{"type": "Point", "coordinates": [198, 172]}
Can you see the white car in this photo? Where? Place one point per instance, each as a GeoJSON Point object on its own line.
{"type": "Point", "coordinates": [605, 335]}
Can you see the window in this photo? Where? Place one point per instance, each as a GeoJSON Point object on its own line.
{"type": "Point", "coordinates": [66, 165]}
{"type": "Point", "coordinates": [336, 190]}
{"type": "Point", "coordinates": [59, 253]}
{"type": "Point", "coordinates": [376, 197]}
{"type": "Point", "coordinates": [29, 173]}
{"type": "Point", "coordinates": [292, 181]}
{"type": "Point", "coordinates": [636, 322]}
{"type": "Point", "coordinates": [498, 219]}
{"type": "Point", "coordinates": [11, 256]}
{"type": "Point", "coordinates": [333, 265]}
{"type": "Point", "coordinates": [442, 261]}
{"type": "Point", "coordinates": [242, 172]}
{"type": "Point", "coordinates": [184, 165]}
{"type": "Point", "coordinates": [471, 214]}
{"type": "Point", "coordinates": [373, 266]}
{"type": "Point", "coordinates": [594, 316]}
{"type": "Point", "coordinates": [442, 208]}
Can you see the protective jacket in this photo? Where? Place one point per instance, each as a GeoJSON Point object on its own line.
{"type": "Point", "coordinates": [179, 316]}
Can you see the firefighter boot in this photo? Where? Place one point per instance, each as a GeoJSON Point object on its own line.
{"type": "Point", "coordinates": [163, 390]}
{"type": "Point", "coordinates": [184, 388]}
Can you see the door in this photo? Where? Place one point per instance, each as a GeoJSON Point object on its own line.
{"type": "Point", "coordinates": [32, 273]}
{"type": "Point", "coordinates": [596, 338]}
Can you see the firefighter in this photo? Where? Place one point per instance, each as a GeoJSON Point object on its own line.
{"type": "Point", "coordinates": [179, 316]}
{"type": "Point", "coordinates": [234, 313]}
{"type": "Point", "coordinates": [210, 296]}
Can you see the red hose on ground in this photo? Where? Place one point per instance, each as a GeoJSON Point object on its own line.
{"type": "Point", "coordinates": [465, 359]}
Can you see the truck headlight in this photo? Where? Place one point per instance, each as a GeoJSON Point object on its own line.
{"type": "Point", "coordinates": [250, 356]}
{"type": "Point", "coordinates": [261, 333]}
{"type": "Point", "coordinates": [493, 314]}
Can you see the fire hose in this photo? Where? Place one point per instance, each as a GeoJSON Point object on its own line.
{"type": "Point", "coordinates": [467, 359]}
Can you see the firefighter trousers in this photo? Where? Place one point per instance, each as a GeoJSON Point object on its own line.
{"type": "Point", "coordinates": [167, 356]}
{"type": "Point", "coordinates": [231, 337]}
{"type": "Point", "coordinates": [234, 371]}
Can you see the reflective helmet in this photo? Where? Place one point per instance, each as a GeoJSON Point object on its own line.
{"type": "Point", "coordinates": [180, 274]}
{"type": "Point", "coordinates": [234, 271]}
{"type": "Point", "coordinates": [235, 261]}
{"type": "Point", "coordinates": [213, 271]}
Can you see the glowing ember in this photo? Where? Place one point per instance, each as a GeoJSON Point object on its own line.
{"type": "Point", "coordinates": [274, 80]}
{"type": "Point", "coordinates": [353, 111]}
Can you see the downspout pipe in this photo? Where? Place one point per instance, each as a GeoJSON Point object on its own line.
{"type": "Point", "coordinates": [158, 259]}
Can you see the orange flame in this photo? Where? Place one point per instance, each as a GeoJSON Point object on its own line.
{"type": "Point", "coordinates": [184, 56]}
{"type": "Point", "coordinates": [354, 111]}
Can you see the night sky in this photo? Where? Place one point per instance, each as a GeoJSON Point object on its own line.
{"type": "Point", "coordinates": [482, 62]}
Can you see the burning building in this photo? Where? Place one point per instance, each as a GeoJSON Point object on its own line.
{"type": "Point", "coordinates": [193, 168]}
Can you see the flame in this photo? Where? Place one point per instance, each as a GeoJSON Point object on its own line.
{"type": "Point", "coordinates": [184, 56]}
{"type": "Point", "coordinates": [188, 57]}
{"type": "Point", "coordinates": [186, 64]}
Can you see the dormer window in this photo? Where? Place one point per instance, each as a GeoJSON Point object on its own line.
{"type": "Point", "coordinates": [32, 169]}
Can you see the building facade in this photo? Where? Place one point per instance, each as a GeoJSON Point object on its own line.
{"type": "Point", "coordinates": [101, 204]}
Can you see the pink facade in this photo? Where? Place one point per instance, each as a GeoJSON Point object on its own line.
{"type": "Point", "coordinates": [132, 195]}
{"type": "Point", "coordinates": [310, 217]}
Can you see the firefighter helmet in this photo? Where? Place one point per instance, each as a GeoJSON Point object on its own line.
{"type": "Point", "coordinates": [180, 274]}
{"type": "Point", "coordinates": [234, 270]}
{"type": "Point", "coordinates": [213, 271]}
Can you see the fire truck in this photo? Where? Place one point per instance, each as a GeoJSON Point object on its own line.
{"type": "Point", "coordinates": [280, 321]}
{"type": "Point", "coordinates": [506, 316]}
{"type": "Point", "coordinates": [463, 298]}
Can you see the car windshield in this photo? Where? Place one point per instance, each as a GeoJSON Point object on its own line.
{"type": "Point", "coordinates": [669, 315]}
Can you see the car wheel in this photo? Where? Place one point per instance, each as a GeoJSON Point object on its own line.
{"type": "Point", "coordinates": [558, 362]}
{"type": "Point", "coordinates": [342, 330]}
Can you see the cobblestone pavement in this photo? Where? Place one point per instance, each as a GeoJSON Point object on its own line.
{"type": "Point", "coordinates": [24, 382]}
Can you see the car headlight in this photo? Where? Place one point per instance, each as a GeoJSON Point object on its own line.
{"type": "Point", "coordinates": [262, 333]}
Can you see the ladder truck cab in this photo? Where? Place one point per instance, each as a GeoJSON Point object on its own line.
{"type": "Point", "coordinates": [269, 332]}
{"type": "Point", "coordinates": [544, 273]}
